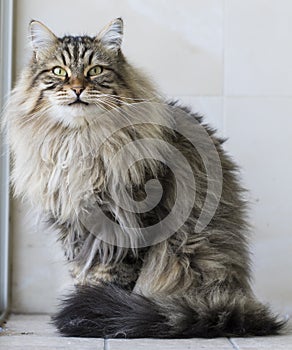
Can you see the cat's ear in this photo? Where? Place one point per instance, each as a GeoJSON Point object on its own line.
{"type": "Point", "coordinates": [42, 39]}
{"type": "Point", "coordinates": [111, 36]}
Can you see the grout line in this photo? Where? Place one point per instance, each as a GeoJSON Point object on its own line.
{"type": "Point", "coordinates": [239, 96]}
{"type": "Point", "coordinates": [105, 344]}
{"type": "Point", "coordinates": [233, 343]}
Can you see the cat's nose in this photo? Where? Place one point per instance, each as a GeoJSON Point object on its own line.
{"type": "Point", "coordinates": [78, 90]}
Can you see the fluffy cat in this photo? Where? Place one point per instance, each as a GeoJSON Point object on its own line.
{"type": "Point", "coordinates": [77, 105]}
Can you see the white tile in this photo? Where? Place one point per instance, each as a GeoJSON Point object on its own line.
{"type": "Point", "coordinates": [211, 108]}
{"type": "Point", "coordinates": [264, 343]}
{"type": "Point", "coordinates": [258, 50]}
{"type": "Point", "coordinates": [182, 45]}
{"type": "Point", "coordinates": [39, 271]}
{"type": "Point", "coordinates": [28, 342]}
{"type": "Point", "coordinates": [169, 344]}
{"type": "Point", "coordinates": [36, 325]}
{"type": "Point", "coordinates": [33, 332]}
{"type": "Point", "coordinates": [179, 46]}
{"type": "Point", "coordinates": [259, 131]}
{"type": "Point", "coordinates": [272, 271]}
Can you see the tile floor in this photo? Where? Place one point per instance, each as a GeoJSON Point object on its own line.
{"type": "Point", "coordinates": [34, 332]}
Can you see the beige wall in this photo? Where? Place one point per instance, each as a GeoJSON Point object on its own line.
{"type": "Point", "coordinates": [232, 61]}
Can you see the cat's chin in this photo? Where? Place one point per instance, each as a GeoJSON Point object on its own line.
{"type": "Point", "coordinates": [75, 115]}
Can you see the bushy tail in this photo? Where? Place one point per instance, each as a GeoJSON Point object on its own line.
{"type": "Point", "coordinates": [109, 311]}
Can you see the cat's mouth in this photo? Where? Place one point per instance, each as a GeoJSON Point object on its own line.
{"type": "Point", "coordinates": [78, 102]}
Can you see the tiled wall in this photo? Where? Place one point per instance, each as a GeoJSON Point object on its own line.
{"type": "Point", "coordinates": [232, 61]}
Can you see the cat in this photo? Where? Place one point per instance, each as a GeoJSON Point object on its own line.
{"type": "Point", "coordinates": [90, 138]}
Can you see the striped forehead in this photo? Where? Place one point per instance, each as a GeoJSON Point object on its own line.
{"type": "Point", "coordinates": [77, 51]}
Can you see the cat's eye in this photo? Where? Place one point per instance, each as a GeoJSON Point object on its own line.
{"type": "Point", "coordinates": [93, 72]}
{"type": "Point", "coordinates": [60, 72]}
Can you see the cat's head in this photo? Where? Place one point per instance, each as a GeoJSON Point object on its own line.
{"type": "Point", "coordinates": [74, 77]}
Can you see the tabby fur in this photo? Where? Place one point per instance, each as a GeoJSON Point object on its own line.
{"type": "Point", "coordinates": [195, 283]}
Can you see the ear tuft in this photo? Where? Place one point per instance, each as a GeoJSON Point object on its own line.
{"type": "Point", "coordinates": [42, 38]}
{"type": "Point", "coordinates": [111, 36]}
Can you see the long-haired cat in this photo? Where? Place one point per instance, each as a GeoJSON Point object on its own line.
{"type": "Point", "coordinates": [91, 138]}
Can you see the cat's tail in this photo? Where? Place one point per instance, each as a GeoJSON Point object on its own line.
{"type": "Point", "coordinates": [109, 311]}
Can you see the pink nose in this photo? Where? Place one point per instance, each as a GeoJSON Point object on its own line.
{"type": "Point", "coordinates": [78, 90]}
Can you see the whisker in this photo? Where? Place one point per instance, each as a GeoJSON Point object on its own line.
{"type": "Point", "coordinates": [121, 97]}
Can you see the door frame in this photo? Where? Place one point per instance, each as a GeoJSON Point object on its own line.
{"type": "Point", "coordinates": [6, 40]}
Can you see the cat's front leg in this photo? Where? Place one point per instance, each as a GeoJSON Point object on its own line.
{"type": "Point", "coordinates": [123, 273]}
{"type": "Point", "coordinates": [96, 275]}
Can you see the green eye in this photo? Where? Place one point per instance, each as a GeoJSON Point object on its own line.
{"type": "Point", "coordinates": [95, 71]}
{"type": "Point", "coordinates": [60, 72]}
